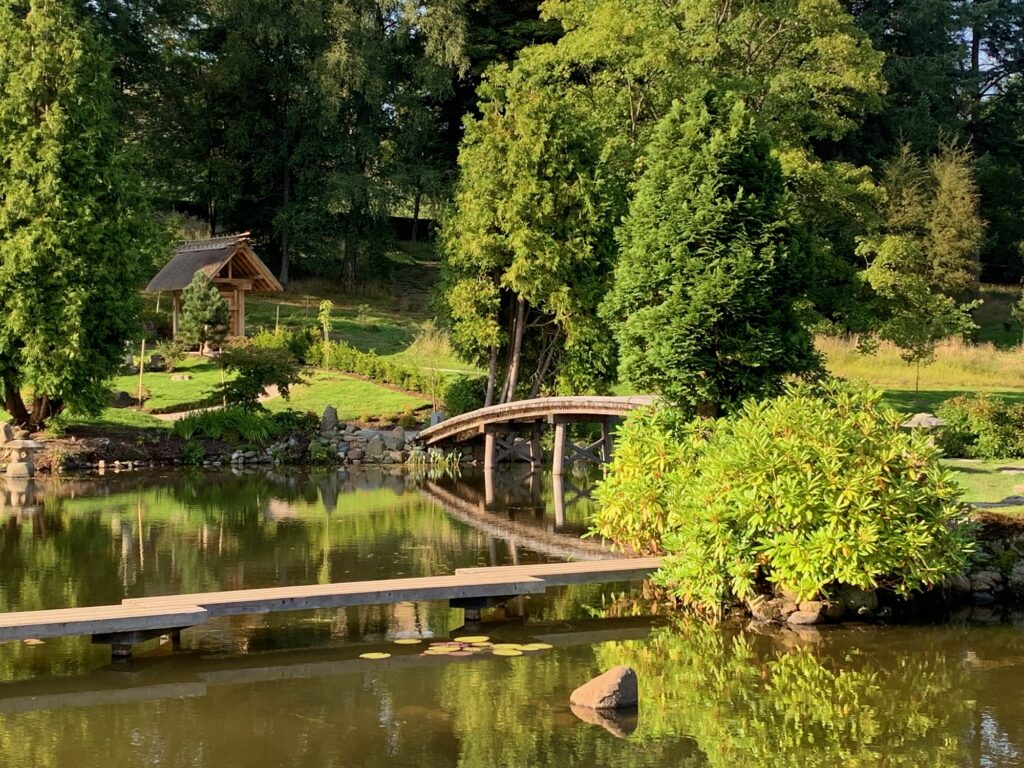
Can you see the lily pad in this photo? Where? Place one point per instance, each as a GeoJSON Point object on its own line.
{"type": "Point", "coordinates": [458, 653]}
{"type": "Point", "coordinates": [374, 655]}
{"type": "Point", "coordinates": [507, 652]}
{"type": "Point", "coordinates": [472, 639]}
{"type": "Point", "coordinates": [408, 641]}
{"type": "Point", "coordinates": [536, 647]}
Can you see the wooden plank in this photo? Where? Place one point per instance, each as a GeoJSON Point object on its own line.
{"type": "Point", "coordinates": [101, 619]}
{"type": "Point", "coordinates": [589, 572]}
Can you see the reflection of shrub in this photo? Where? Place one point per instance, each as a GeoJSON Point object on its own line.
{"type": "Point", "coordinates": [805, 490]}
{"type": "Point", "coordinates": [464, 394]}
{"type": "Point", "coordinates": [750, 701]}
{"type": "Point", "coordinates": [981, 427]}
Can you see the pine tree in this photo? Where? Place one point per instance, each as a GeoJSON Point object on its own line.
{"type": "Point", "coordinates": [204, 313]}
{"type": "Point", "coordinates": [710, 266]}
{"type": "Point", "coordinates": [74, 233]}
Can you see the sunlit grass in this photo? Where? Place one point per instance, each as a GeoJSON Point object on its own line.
{"type": "Point", "coordinates": [354, 398]}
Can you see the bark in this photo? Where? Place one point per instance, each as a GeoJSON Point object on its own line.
{"type": "Point", "coordinates": [283, 277]}
{"type": "Point", "coordinates": [492, 373]}
{"type": "Point", "coordinates": [416, 216]}
{"type": "Point", "coordinates": [14, 404]}
{"type": "Point", "coordinates": [512, 379]}
{"type": "Point", "coordinates": [43, 408]}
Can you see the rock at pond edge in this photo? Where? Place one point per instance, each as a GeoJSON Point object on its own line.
{"type": "Point", "coordinates": [615, 689]}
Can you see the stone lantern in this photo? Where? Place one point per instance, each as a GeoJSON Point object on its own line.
{"type": "Point", "coordinates": [19, 457]}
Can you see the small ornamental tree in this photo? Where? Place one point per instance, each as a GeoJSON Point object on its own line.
{"type": "Point", "coordinates": [204, 313]}
{"type": "Point", "coordinates": [256, 369]}
{"type": "Point", "coordinates": [710, 267]}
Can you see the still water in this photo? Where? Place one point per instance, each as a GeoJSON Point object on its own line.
{"type": "Point", "coordinates": [290, 690]}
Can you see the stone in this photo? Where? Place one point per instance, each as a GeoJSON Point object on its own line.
{"type": "Point", "coordinates": [396, 456]}
{"type": "Point", "coordinates": [122, 399]}
{"type": "Point", "coordinates": [395, 439]}
{"type": "Point", "coordinates": [6, 433]}
{"type": "Point", "coordinates": [959, 583]}
{"type": "Point", "coordinates": [157, 363]}
{"type": "Point", "coordinates": [374, 448]}
{"type": "Point", "coordinates": [983, 598]}
{"type": "Point", "coordinates": [984, 581]}
{"type": "Point", "coordinates": [329, 421]}
{"type": "Point", "coordinates": [615, 689]}
{"type": "Point", "coordinates": [21, 469]}
{"type": "Point", "coordinates": [181, 377]}
{"type": "Point", "coordinates": [619, 723]}
{"type": "Point", "coordinates": [22, 434]}
{"type": "Point", "coordinates": [804, 617]}
{"type": "Point", "coordinates": [1016, 579]}
{"type": "Point", "coordinates": [356, 454]}
{"type": "Point", "coordinates": [855, 599]}
{"type": "Point", "coordinates": [767, 609]}
{"type": "Point", "coordinates": [811, 606]}
{"type": "Point", "coordinates": [788, 607]}
{"type": "Point", "coordinates": [834, 610]}
{"type": "Point", "coordinates": [924, 421]}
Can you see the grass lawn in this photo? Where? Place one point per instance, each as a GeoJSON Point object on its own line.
{"type": "Point", "coordinates": [983, 481]}
{"type": "Point", "coordinates": [354, 398]}
{"type": "Point", "coordinates": [164, 393]}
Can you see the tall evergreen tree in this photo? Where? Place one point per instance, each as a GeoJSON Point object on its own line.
{"type": "Point", "coordinates": [74, 235]}
{"type": "Point", "coordinates": [204, 313]}
{"type": "Point", "coordinates": [703, 302]}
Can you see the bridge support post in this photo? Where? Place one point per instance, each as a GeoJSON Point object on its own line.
{"type": "Point", "coordinates": [558, 492]}
{"type": "Point", "coordinates": [489, 448]}
{"type": "Point", "coordinates": [606, 441]}
{"type": "Point", "coordinates": [558, 462]}
{"type": "Point", "coordinates": [536, 459]}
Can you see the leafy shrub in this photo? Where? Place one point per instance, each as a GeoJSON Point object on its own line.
{"type": "Point", "coordinates": [193, 453]}
{"type": "Point", "coordinates": [257, 368]}
{"type": "Point", "coordinates": [299, 342]}
{"type": "Point", "coordinates": [408, 420]}
{"type": "Point", "coordinates": [291, 422]}
{"type": "Point", "coordinates": [816, 487]}
{"type": "Point", "coordinates": [340, 356]}
{"type": "Point", "coordinates": [173, 352]}
{"type": "Point", "coordinates": [464, 394]}
{"type": "Point", "coordinates": [981, 427]}
{"type": "Point", "coordinates": [234, 424]}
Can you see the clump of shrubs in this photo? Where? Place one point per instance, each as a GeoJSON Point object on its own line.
{"type": "Point", "coordinates": [256, 369]}
{"type": "Point", "coordinates": [234, 424]}
{"type": "Point", "coordinates": [339, 356]}
{"type": "Point", "coordinates": [300, 342]}
{"type": "Point", "coordinates": [981, 427]}
{"type": "Point", "coordinates": [464, 394]}
{"type": "Point", "coordinates": [816, 488]}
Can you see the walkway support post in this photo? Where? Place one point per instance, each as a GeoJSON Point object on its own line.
{"type": "Point", "coordinates": [489, 446]}
{"type": "Point", "coordinates": [536, 459]}
{"type": "Point", "coordinates": [558, 463]}
{"type": "Point", "coordinates": [606, 441]}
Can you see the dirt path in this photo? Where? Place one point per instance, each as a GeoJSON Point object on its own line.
{"type": "Point", "coordinates": [269, 393]}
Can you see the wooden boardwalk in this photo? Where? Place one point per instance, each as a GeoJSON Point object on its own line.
{"type": "Point", "coordinates": [137, 619]}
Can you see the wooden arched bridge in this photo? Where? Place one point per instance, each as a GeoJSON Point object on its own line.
{"type": "Point", "coordinates": [498, 426]}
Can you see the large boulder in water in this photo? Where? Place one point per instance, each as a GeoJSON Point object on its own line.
{"type": "Point", "coordinates": [615, 689]}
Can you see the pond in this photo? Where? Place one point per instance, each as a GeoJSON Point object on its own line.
{"type": "Point", "coordinates": [291, 690]}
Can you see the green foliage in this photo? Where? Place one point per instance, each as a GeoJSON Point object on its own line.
{"type": "Point", "coordinates": [408, 420]}
{"type": "Point", "coordinates": [321, 453]}
{"type": "Point", "coordinates": [234, 424]}
{"type": "Point", "coordinates": [256, 369]}
{"type": "Point", "coordinates": [981, 427]}
{"type": "Point", "coordinates": [172, 351]}
{"type": "Point", "coordinates": [703, 303]}
{"type": "Point", "coordinates": [340, 356]}
{"type": "Point", "coordinates": [192, 453]}
{"type": "Point", "coordinates": [804, 491]}
{"type": "Point", "coordinates": [204, 313]}
{"type": "Point", "coordinates": [74, 231]}
{"type": "Point", "coordinates": [464, 394]}
{"type": "Point", "coordinates": [299, 343]}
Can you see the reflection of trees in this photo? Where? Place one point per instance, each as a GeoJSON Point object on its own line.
{"type": "Point", "coordinates": [749, 701]}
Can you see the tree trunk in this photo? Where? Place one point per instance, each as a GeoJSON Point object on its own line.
{"type": "Point", "coordinates": [283, 277]}
{"type": "Point", "coordinates": [43, 408]}
{"type": "Point", "coordinates": [512, 378]}
{"type": "Point", "coordinates": [14, 403]}
{"type": "Point", "coordinates": [492, 373]}
{"type": "Point", "coordinates": [416, 215]}
{"type": "Point", "coordinates": [349, 269]}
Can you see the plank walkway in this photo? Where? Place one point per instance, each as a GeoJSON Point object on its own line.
{"type": "Point", "coordinates": [174, 612]}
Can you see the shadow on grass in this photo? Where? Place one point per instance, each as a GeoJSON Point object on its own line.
{"type": "Point", "coordinates": [909, 401]}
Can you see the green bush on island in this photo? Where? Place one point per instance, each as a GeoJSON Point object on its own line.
{"type": "Point", "coordinates": [234, 424]}
{"type": "Point", "coordinates": [981, 427]}
{"type": "Point", "coordinates": [464, 394]}
{"type": "Point", "coordinates": [817, 487]}
{"type": "Point", "coordinates": [256, 369]}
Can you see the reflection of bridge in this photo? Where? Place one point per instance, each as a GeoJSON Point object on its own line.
{"type": "Point", "coordinates": [499, 426]}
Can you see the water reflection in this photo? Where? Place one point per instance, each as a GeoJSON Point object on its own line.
{"type": "Point", "coordinates": [288, 689]}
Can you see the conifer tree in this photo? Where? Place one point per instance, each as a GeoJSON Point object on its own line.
{"type": "Point", "coordinates": [710, 266]}
{"type": "Point", "coordinates": [74, 232]}
{"type": "Point", "coordinates": [204, 313]}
